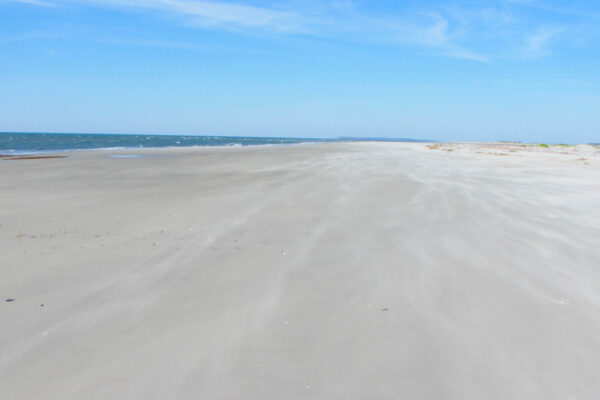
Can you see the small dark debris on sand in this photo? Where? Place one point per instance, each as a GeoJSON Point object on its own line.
{"type": "Point", "coordinates": [385, 309]}
{"type": "Point", "coordinates": [10, 299]}
{"type": "Point", "coordinates": [11, 157]}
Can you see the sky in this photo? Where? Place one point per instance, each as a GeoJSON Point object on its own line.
{"type": "Point", "coordinates": [519, 70]}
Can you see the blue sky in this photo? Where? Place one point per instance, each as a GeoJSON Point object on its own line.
{"type": "Point", "coordinates": [525, 70]}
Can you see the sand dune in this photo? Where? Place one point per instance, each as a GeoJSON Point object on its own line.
{"type": "Point", "coordinates": [331, 271]}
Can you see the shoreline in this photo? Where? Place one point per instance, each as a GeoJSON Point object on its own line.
{"type": "Point", "coordinates": [435, 144]}
{"type": "Point", "coordinates": [234, 145]}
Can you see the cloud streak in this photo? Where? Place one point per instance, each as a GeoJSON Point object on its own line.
{"type": "Point", "coordinates": [477, 30]}
{"type": "Point", "coordinates": [31, 2]}
{"type": "Point", "coordinates": [210, 13]}
{"type": "Point", "coordinates": [537, 43]}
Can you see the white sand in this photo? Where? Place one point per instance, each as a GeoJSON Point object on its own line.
{"type": "Point", "coordinates": [264, 273]}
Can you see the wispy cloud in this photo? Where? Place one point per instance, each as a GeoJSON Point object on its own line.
{"type": "Point", "coordinates": [338, 19]}
{"type": "Point", "coordinates": [34, 35]}
{"type": "Point", "coordinates": [564, 8]}
{"type": "Point", "coordinates": [537, 43]}
{"type": "Point", "coordinates": [211, 13]}
{"type": "Point", "coordinates": [33, 2]}
{"type": "Point", "coordinates": [476, 30]}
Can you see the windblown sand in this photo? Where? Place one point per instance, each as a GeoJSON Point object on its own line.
{"type": "Point", "coordinates": [331, 271]}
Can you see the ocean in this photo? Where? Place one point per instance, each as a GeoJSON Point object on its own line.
{"type": "Point", "coordinates": [33, 143]}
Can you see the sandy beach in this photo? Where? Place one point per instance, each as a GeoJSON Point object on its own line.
{"type": "Point", "coordinates": [325, 271]}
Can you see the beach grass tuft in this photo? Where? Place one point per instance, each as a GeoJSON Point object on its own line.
{"type": "Point", "coordinates": [544, 145]}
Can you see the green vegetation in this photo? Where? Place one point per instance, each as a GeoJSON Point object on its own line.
{"type": "Point", "coordinates": [565, 145]}
{"type": "Point", "coordinates": [544, 145]}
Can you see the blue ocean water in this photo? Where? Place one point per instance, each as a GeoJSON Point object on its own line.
{"type": "Point", "coordinates": [31, 143]}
